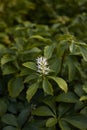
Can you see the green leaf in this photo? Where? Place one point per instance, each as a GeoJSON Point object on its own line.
{"type": "Point", "coordinates": [19, 43]}
{"type": "Point", "coordinates": [43, 111]}
{"type": "Point", "coordinates": [51, 122]}
{"type": "Point", "coordinates": [78, 106]}
{"type": "Point", "coordinates": [47, 87]}
{"type": "Point", "coordinates": [9, 119]}
{"type": "Point", "coordinates": [38, 37]}
{"type": "Point", "coordinates": [64, 125]}
{"type": "Point", "coordinates": [15, 86]}
{"type": "Point", "coordinates": [33, 50]}
{"type": "Point", "coordinates": [51, 104]}
{"type": "Point", "coordinates": [61, 49]}
{"type": "Point", "coordinates": [79, 68]}
{"type": "Point", "coordinates": [74, 49]}
{"type": "Point", "coordinates": [30, 65]}
{"type": "Point", "coordinates": [23, 116]}
{"type": "Point", "coordinates": [8, 69]}
{"type": "Point", "coordinates": [30, 77]}
{"type": "Point", "coordinates": [79, 121]}
{"type": "Point", "coordinates": [63, 108]}
{"type": "Point", "coordinates": [30, 126]}
{"type": "Point", "coordinates": [85, 87]}
{"type": "Point", "coordinates": [68, 97]}
{"type": "Point", "coordinates": [3, 107]}
{"type": "Point", "coordinates": [55, 64]}
{"type": "Point", "coordinates": [61, 83]}
{"type": "Point", "coordinates": [25, 71]}
{"type": "Point", "coordinates": [71, 68]}
{"type": "Point", "coordinates": [83, 50]}
{"type": "Point", "coordinates": [78, 90]}
{"type": "Point", "coordinates": [10, 128]}
{"type": "Point", "coordinates": [6, 58]}
{"type": "Point", "coordinates": [83, 98]}
{"type": "Point", "coordinates": [48, 50]}
{"type": "Point", "coordinates": [84, 111]}
{"type": "Point", "coordinates": [2, 48]}
{"type": "Point", "coordinates": [31, 91]}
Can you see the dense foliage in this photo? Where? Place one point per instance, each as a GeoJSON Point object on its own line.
{"type": "Point", "coordinates": [43, 65]}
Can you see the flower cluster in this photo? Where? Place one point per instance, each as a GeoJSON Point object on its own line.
{"type": "Point", "coordinates": [42, 65]}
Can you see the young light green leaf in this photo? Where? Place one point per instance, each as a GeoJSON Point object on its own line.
{"type": "Point", "coordinates": [85, 87]}
{"type": "Point", "coordinates": [43, 111]}
{"type": "Point", "coordinates": [38, 37]}
{"type": "Point", "coordinates": [47, 87]}
{"type": "Point", "coordinates": [51, 122]}
{"type": "Point", "coordinates": [31, 91]}
{"type": "Point", "coordinates": [61, 83]}
{"type": "Point", "coordinates": [30, 65]}
{"type": "Point", "coordinates": [83, 98]}
{"type": "Point", "coordinates": [15, 86]}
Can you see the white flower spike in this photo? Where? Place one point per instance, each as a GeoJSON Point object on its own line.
{"type": "Point", "coordinates": [42, 65]}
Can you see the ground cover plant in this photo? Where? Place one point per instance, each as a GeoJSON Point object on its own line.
{"type": "Point", "coordinates": [43, 65]}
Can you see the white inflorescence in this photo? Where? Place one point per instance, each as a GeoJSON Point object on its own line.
{"type": "Point", "coordinates": [42, 65]}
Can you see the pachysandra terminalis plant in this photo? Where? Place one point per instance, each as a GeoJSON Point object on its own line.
{"type": "Point", "coordinates": [42, 70]}
{"type": "Point", "coordinates": [43, 65]}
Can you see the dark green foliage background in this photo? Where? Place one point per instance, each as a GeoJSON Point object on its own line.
{"type": "Point", "coordinates": [56, 29]}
